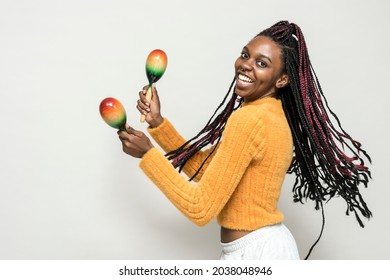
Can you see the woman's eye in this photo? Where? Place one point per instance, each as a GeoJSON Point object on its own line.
{"type": "Point", "coordinates": [261, 64]}
{"type": "Point", "coordinates": [244, 55]}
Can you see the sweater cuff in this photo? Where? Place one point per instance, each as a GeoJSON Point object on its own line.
{"type": "Point", "coordinates": [166, 136]}
{"type": "Point", "coordinates": [149, 156]}
{"type": "Point", "coordinates": [158, 129]}
{"type": "Point", "coordinates": [153, 160]}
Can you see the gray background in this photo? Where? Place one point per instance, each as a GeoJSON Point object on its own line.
{"type": "Point", "coordinates": [67, 191]}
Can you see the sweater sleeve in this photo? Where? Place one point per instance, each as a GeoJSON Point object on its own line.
{"type": "Point", "coordinates": [169, 139]}
{"type": "Point", "coordinates": [202, 202]}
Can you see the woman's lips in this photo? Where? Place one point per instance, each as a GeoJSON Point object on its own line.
{"type": "Point", "coordinates": [243, 80]}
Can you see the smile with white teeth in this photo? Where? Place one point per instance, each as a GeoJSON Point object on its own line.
{"type": "Point", "coordinates": [244, 78]}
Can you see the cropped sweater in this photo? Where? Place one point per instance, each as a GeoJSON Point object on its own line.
{"type": "Point", "coordinates": [240, 184]}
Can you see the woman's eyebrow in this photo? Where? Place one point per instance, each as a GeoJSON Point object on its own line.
{"type": "Point", "coordinates": [259, 55]}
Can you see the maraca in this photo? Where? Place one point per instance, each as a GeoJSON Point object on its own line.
{"type": "Point", "coordinates": [156, 63]}
{"type": "Point", "coordinates": [113, 113]}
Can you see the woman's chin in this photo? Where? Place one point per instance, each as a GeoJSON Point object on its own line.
{"type": "Point", "coordinates": [240, 93]}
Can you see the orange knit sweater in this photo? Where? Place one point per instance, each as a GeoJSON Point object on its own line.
{"type": "Point", "coordinates": [241, 182]}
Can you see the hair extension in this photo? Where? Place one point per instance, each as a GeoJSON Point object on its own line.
{"type": "Point", "coordinates": [321, 165]}
{"type": "Point", "coordinates": [208, 135]}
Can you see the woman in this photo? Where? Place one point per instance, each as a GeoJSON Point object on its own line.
{"type": "Point", "coordinates": [274, 123]}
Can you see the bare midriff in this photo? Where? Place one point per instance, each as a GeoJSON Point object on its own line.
{"type": "Point", "coordinates": [229, 235]}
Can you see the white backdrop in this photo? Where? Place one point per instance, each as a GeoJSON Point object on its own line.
{"type": "Point", "coordinates": [67, 191]}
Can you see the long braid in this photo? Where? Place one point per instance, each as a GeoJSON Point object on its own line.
{"type": "Point", "coordinates": [208, 135]}
{"type": "Point", "coordinates": [321, 165]}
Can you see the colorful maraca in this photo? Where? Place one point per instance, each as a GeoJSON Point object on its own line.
{"type": "Point", "coordinates": [156, 63]}
{"type": "Point", "coordinates": [113, 113]}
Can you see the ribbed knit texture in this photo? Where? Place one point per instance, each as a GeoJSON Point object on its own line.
{"type": "Point", "coordinates": [242, 182]}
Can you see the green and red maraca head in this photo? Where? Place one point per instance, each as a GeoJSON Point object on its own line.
{"type": "Point", "coordinates": [113, 113]}
{"type": "Point", "coordinates": [156, 63]}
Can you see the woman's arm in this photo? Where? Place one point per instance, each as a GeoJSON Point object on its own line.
{"type": "Point", "coordinates": [202, 202]}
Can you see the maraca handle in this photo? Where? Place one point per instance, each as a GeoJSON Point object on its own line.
{"type": "Point", "coordinates": [148, 97]}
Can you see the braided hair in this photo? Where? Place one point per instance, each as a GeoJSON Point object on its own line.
{"type": "Point", "coordinates": [327, 161]}
{"type": "Point", "coordinates": [210, 134]}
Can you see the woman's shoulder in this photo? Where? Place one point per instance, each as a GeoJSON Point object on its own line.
{"type": "Point", "coordinates": [246, 120]}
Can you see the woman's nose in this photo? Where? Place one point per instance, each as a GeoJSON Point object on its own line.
{"type": "Point", "coordinates": [245, 66]}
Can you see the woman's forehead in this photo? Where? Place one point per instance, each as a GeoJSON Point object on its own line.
{"type": "Point", "coordinates": [262, 45]}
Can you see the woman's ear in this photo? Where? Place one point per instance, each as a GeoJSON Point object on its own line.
{"type": "Point", "coordinates": [282, 81]}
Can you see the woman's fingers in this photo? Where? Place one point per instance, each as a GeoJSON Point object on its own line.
{"type": "Point", "coordinates": [143, 105]}
{"type": "Point", "coordinates": [134, 142]}
{"type": "Point", "coordinates": [133, 131]}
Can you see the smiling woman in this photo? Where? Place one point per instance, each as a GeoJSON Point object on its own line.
{"type": "Point", "coordinates": [275, 122]}
{"type": "Point", "coordinates": [259, 70]}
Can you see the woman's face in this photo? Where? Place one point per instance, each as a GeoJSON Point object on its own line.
{"type": "Point", "coordinates": [259, 69]}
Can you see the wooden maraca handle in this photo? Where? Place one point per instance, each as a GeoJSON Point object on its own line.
{"type": "Point", "coordinates": [148, 97]}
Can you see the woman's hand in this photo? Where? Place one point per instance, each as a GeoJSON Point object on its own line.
{"type": "Point", "coordinates": [151, 109]}
{"type": "Point", "coordinates": [134, 142]}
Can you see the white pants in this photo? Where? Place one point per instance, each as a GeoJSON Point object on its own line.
{"type": "Point", "coordinates": [273, 242]}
